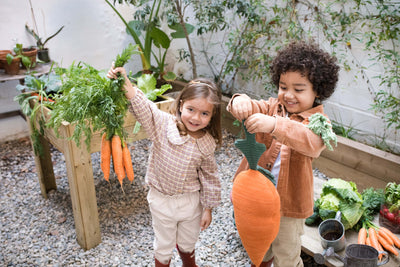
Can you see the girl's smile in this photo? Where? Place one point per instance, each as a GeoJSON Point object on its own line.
{"type": "Point", "coordinates": [296, 92]}
{"type": "Point", "coordinates": [196, 114]}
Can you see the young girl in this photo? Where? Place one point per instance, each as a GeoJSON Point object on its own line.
{"type": "Point", "coordinates": [182, 172]}
{"type": "Point", "coordinates": [305, 75]}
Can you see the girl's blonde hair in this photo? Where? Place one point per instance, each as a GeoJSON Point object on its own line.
{"type": "Point", "coordinates": [201, 88]}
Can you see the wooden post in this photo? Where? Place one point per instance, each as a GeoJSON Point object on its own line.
{"type": "Point", "coordinates": [82, 189]}
{"type": "Point", "coordinates": [44, 165]}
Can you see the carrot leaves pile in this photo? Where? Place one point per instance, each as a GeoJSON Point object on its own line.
{"type": "Point", "coordinates": [91, 102]}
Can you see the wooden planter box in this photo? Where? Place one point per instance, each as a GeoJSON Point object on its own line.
{"type": "Point", "coordinates": [360, 163]}
{"type": "Point", "coordinates": [79, 172]}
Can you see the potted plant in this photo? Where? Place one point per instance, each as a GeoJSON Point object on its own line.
{"type": "Point", "coordinates": [3, 54]}
{"type": "Point", "coordinates": [11, 65]}
{"type": "Point", "coordinates": [13, 60]}
{"type": "Point", "coordinates": [43, 52]}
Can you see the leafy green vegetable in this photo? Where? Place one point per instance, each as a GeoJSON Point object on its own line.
{"type": "Point", "coordinates": [320, 125]}
{"type": "Point", "coordinates": [392, 196]}
{"type": "Point", "coordinates": [338, 194]}
{"type": "Point", "coordinates": [314, 219]}
{"type": "Point", "coordinates": [372, 201]}
{"type": "Point", "coordinates": [147, 83]}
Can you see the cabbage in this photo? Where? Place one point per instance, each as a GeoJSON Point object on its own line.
{"type": "Point", "coordinates": [338, 194]}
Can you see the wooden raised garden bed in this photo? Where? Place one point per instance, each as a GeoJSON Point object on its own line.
{"type": "Point", "coordinates": [79, 172]}
{"type": "Point", "coordinates": [360, 163]}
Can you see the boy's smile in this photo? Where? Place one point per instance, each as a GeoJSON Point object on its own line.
{"type": "Point", "coordinates": [296, 92]}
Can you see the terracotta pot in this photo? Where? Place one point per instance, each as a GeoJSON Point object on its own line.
{"type": "Point", "coordinates": [31, 53]}
{"type": "Point", "coordinates": [3, 54]}
{"type": "Point", "coordinates": [43, 55]}
{"type": "Point", "coordinates": [13, 68]}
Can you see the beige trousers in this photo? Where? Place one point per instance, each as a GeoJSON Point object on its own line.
{"type": "Point", "coordinates": [176, 221]}
{"type": "Point", "coordinates": [286, 248]}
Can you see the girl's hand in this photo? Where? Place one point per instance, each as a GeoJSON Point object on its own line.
{"type": "Point", "coordinates": [260, 123]}
{"type": "Point", "coordinates": [130, 91]}
{"type": "Point", "coordinates": [113, 72]}
{"type": "Point", "coordinates": [241, 107]}
{"type": "Point", "coordinates": [205, 219]}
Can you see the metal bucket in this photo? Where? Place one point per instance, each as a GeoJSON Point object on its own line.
{"type": "Point", "coordinates": [331, 233]}
{"type": "Point", "coordinates": [358, 255]}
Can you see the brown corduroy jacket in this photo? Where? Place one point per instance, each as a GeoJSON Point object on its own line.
{"type": "Point", "coordinates": [298, 146]}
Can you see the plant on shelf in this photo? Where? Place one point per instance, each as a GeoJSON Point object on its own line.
{"type": "Point", "coordinates": [43, 51]}
{"type": "Point", "coordinates": [19, 53]}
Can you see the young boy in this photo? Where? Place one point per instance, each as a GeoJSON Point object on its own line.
{"type": "Point", "coordinates": [305, 75]}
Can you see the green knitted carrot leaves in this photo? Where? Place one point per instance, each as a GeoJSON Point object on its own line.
{"type": "Point", "coordinates": [320, 125]}
{"type": "Point", "coordinates": [253, 150]}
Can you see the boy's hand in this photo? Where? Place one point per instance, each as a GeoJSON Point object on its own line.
{"type": "Point", "coordinates": [205, 219]}
{"type": "Point", "coordinates": [259, 122]}
{"type": "Point", "coordinates": [241, 107]}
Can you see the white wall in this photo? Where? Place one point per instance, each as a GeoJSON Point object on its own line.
{"type": "Point", "coordinates": [94, 34]}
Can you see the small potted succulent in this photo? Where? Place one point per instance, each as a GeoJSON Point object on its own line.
{"type": "Point", "coordinates": [43, 52]}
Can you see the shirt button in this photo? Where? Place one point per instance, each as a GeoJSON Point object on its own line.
{"type": "Point", "coordinates": [269, 165]}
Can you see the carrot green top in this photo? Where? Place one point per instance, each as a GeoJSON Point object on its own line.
{"type": "Point", "coordinates": [253, 150]}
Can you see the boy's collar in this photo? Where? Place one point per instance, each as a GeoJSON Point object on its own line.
{"type": "Point", "coordinates": [304, 114]}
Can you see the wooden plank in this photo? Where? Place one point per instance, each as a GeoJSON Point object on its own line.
{"type": "Point", "coordinates": [366, 159]}
{"type": "Point", "coordinates": [334, 169]}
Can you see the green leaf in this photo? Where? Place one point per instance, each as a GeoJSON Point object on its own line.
{"type": "Point", "coordinates": [160, 38]}
{"type": "Point", "coordinates": [147, 83]}
{"type": "Point", "coordinates": [9, 58]}
{"type": "Point", "coordinates": [169, 76]}
{"type": "Point", "coordinates": [137, 26]}
{"type": "Point", "coordinates": [179, 32]}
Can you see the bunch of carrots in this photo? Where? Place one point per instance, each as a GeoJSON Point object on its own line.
{"type": "Point", "coordinates": [379, 238]}
{"type": "Point", "coordinates": [121, 157]}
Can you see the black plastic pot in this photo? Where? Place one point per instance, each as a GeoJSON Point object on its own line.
{"type": "Point", "coordinates": [43, 55]}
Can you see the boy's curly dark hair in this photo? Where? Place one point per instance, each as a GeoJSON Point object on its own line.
{"type": "Point", "coordinates": [307, 58]}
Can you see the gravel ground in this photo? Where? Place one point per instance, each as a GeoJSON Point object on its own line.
{"type": "Point", "coordinates": [35, 231]}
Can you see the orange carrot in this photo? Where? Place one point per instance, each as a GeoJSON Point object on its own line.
{"type": "Point", "coordinates": [387, 246]}
{"type": "Point", "coordinates": [386, 237]}
{"type": "Point", "coordinates": [395, 239]}
{"type": "Point", "coordinates": [40, 98]}
{"type": "Point", "coordinates": [105, 156]}
{"type": "Point", "coordinates": [362, 235]}
{"type": "Point", "coordinates": [126, 155]}
{"type": "Point", "coordinates": [374, 240]}
{"type": "Point", "coordinates": [380, 250]}
{"type": "Point", "coordinates": [367, 241]}
{"type": "Point", "coordinates": [117, 158]}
